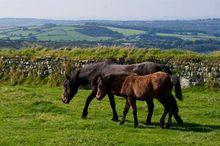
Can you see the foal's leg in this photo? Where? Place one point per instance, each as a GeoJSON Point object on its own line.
{"type": "Point", "coordinates": [162, 119]}
{"type": "Point", "coordinates": [126, 109]}
{"type": "Point", "coordinates": [132, 103]}
{"type": "Point", "coordinates": [169, 120]}
{"type": "Point", "coordinates": [175, 111]}
{"type": "Point", "coordinates": [178, 118]}
{"type": "Point", "coordinates": [88, 101]}
{"type": "Point", "coordinates": [112, 103]}
{"type": "Point", "coordinates": [150, 105]}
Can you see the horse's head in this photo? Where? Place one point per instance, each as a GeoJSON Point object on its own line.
{"type": "Point", "coordinates": [70, 86]}
{"type": "Point", "coordinates": [101, 88]}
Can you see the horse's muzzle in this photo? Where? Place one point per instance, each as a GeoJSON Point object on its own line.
{"type": "Point", "coordinates": [64, 100]}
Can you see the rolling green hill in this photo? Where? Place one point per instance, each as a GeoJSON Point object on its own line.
{"type": "Point", "coordinates": [195, 35]}
{"type": "Point", "coordinates": [65, 33]}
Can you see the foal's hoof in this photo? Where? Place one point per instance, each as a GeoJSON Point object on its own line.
{"type": "Point", "coordinates": [182, 125]}
{"type": "Point", "coordinates": [162, 125]}
{"type": "Point", "coordinates": [167, 126]}
{"type": "Point", "coordinates": [135, 125]}
{"type": "Point", "coordinates": [122, 122]}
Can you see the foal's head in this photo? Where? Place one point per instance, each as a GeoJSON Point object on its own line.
{"type": "Point", "coordinates": [70, 86]}
{"type": "Point", "coordinates": [101, 88]}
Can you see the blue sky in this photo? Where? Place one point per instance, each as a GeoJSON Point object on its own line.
{"type": "Point", "coordinates": [111, 9]}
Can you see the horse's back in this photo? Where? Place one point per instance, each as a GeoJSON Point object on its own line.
{"type": "Point", "coordinates": [149, 68]}
{"type": "Point", "coordinates": [117, 69]}
{"type": "Point", "coordinates": [91, 71]}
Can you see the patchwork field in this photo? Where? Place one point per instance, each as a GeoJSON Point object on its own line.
{"type": "Point", "coordinates": [36, 116]}
{"type": "Point", "coordinates": [64, 33]}
{"type": "Point", "coordinates": [84, 32]}
{"type": "Point", "coordinates": [189, 36]}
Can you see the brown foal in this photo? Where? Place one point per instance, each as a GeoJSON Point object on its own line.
{"type": "Point", "coordinates": [134, 87]}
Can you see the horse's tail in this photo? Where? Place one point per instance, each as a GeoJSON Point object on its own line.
{"type": "Point", "coordinates": [166, 69]}
{"type": "Point", "coordinates": [178, 91]}
{"type": "Point", "coordinates": [175, 109]}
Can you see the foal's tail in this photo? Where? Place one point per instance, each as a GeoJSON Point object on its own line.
{"type": "Point", "coordinates": [178, 91]}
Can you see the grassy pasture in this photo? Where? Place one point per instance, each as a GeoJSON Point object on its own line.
{"type": "Point", "coordinates": [199, 36]}
{"type": "Point", "coordinates": [57, 33]}
{"type": "Point", "coordinates": [36, 116]}
{"type": "Point", "coordinates": [126, 32]}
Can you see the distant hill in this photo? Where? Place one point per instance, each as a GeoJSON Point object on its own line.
{"type": "Point", "coordinates": [12, 22]}
{"type": "Point", "coordinates": [194, 35]}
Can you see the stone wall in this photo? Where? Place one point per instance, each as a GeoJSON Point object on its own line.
{"type": "Point", "coordinates": [191, 71]}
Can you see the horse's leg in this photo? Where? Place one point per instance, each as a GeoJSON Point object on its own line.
{"type": "Point", "coordinates": [132, 103]}
{"type": "Point", "coordinates": [126, 109]}
{"type": "Point", "coordinates": [150, 105]}
{"type": "Point", "coordinates": [88, 101]}
{"type": "Point", "coordinates": [112, 103]}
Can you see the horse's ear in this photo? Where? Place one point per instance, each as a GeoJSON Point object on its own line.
{"type": "Point", "coordinates": [100, 77]}
{"type": "Point", "coordinates": [77, 72]}
{"type": "Point", "coordinates": [75, 75]}
{"type": "Point", "coordinates": [67, 76]}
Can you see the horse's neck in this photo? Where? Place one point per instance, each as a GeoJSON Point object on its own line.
{"type": "Point", "coordinates": [88, 74]}
{"type": "Point", "coordinates": [116, 85]}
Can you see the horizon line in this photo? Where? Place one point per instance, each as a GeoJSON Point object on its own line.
{"type": "Point", "coordinates": [97, 19]}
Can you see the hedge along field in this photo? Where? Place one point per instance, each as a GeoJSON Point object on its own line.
{"type": "Point", "coordinates": [101, 53]}
{"type": "Point", "coordinates": [36, 116]}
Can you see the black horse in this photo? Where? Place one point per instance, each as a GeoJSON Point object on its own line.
{"type": "Point", "coordinates": [89, 74]}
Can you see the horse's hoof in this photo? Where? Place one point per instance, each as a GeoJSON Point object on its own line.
{"type": "Point", "coordinates": [115, 119]}
{"type": "Point", "coordinates": [84, 115]}
{"type": "Point", "coordinates": [135, 125]}
{"type": "Point", "coordinates": [148, 122]}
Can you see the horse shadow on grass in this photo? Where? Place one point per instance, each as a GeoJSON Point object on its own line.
{"type": "Point", "coordinates": [188, 127]}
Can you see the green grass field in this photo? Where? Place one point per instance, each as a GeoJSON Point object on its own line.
{"type": "Point", "coordinates": [36, 116]}
{"type": "Point", "coordinates": [199, 36]}
{"type": "Point", "coordinates": [58, 33]}
{"type": "Point", "coordinates": [126, 32]}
